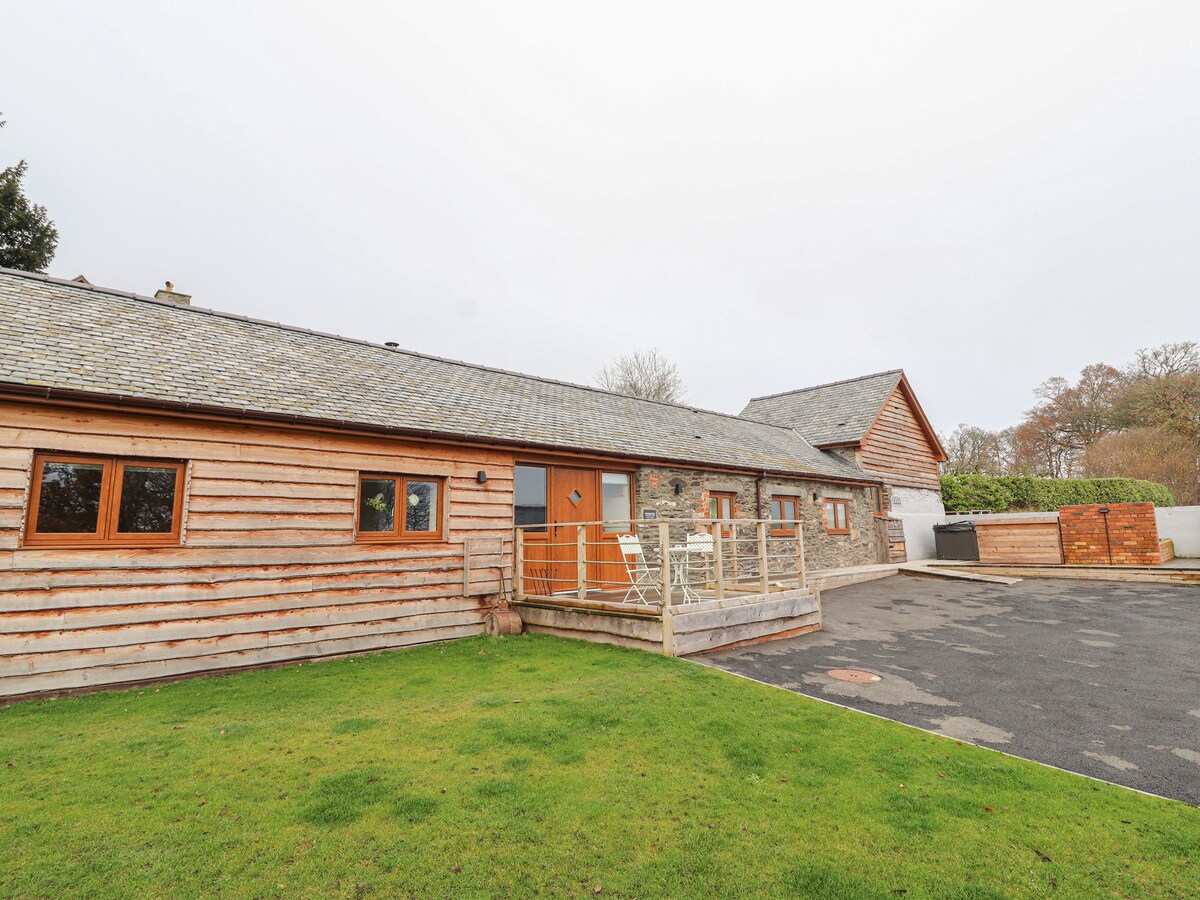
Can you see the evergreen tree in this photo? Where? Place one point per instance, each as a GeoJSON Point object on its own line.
{"type": "Point", "coordinates": [27, 236]}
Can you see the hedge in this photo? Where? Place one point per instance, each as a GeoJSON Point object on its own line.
{"type": "Point", "coordinates": [1024, 494]}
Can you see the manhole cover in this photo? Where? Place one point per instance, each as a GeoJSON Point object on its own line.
{"type": "Point", "coordinates": [858, 676]}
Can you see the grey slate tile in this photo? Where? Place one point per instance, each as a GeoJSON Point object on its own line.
{"type": "Point", "coordinates": [78, 337]}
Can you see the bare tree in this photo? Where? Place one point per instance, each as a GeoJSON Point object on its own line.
{"type": "Point", "coordinates": [971, 450]}
{"type": "Point", "coordinates": [646, 374]}
{"type": "Point", "coordinates": [1180, 358]}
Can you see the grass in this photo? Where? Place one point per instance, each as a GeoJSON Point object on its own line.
{"type": "Point", "coordinates": [535, 766]}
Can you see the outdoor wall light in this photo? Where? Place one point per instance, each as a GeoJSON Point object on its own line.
{"type": "Point", "coordinates": [481, 476]}
{"type": "Point", "coordinates": [678, 487]}
{"type": "Point", "coordinates": [1104, 511]}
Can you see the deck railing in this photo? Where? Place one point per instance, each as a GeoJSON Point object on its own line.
{"type": "Point", "coordinates": [657, 562]}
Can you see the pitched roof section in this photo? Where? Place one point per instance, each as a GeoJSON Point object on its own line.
{"type": "Point", "coordinates": [827, 414]}
{"type": "Point", "coordinates": [72, 337]}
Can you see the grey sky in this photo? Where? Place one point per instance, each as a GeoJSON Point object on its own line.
{"type": "Point", "coordinates": [773, 195]}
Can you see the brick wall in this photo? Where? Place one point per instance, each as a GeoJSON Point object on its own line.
{"type": "Point", "coordinates": [1132, 535]}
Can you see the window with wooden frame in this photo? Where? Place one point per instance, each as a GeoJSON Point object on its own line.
{"type": "Point", "coordinates": [720, 506]}
{"type": "Point", "coordinates": [785, 515]}
{"type": "Point", "coordinates": [95, 501]}
{"type": "Point", "coordinates": [837, 516]}
{"type": "Point", "coordinates": [617, 501]}
{"type": "Point", "coordinates": [400, 508]}
{"type": "Point", "coordinates": [876, 499]}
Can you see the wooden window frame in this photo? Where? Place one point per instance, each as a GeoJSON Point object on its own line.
{"type": "Point", "coordinates": [604, 529]}
{"type": "Point", "coordinates": [781, 529]}
{"type": "Point", "coordinates": [400, 535]}
{"type": "Point", "coordinates": [876, 492]}
{"type": "Point", "coordinates": [719, 496]}
{"type": "Point", "coordinates": [837, 501]}
{"type": "Point", "coordinates": [111, 484]}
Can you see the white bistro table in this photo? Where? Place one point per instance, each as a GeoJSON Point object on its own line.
{"type": "Point", "coordinates": [681, 558]}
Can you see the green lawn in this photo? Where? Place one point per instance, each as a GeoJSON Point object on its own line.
{"type": "Point", "coordinates": [523, 766]}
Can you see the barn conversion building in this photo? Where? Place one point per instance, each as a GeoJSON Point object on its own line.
{"type": "Point", "coordinates": [874, 421]}
{"type": "Point", "coordinates": [184, 490]}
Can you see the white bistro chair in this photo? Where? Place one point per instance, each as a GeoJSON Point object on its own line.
{"type": "Point", "coordinates": [699, 552]}
{"type": "Point", "coordinates": [641, 574]}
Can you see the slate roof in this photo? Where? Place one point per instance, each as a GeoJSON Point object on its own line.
{"type": "Point", "coordinates": [835, 413]}
{"type": "Point", "coordinates": [68, 336]}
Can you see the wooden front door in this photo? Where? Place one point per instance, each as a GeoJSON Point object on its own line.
{"type": "Point", "coordinates": [572, 497]}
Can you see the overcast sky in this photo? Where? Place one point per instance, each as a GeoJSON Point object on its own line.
{"type": "Point", "coordinates": [773, 195]}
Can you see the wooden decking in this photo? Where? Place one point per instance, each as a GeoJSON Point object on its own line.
{"type": "Point", "coordinates": [679, 630]}
{"type": "Point", "coordinates": [1177, 572]}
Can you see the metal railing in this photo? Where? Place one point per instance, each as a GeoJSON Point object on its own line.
{"type": "Point", "coordinates": [657, 562]}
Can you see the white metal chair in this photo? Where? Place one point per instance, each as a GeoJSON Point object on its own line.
{"type": "Point", "coordinates": [699, 548]}
{"type": "Point", "coordinates": [641, 574]}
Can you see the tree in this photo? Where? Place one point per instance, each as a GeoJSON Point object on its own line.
{"type": "Point", "coordinates": [1070, 417]}
{"type": "Point", "coordinates": [1162, 390]}
{"type": "Point", "coordinates": [1139, 422]}
{"type": "Point", "coordinates": [1180, 358]}
{"type": "Point", "coordinates": [28, 238]}
{"type": "Point", "coordinates": [646, 374]}
{"type": "Point", "coordinates": [971, 450]}
{"type": "Point", "coordinates": [1154, 454]}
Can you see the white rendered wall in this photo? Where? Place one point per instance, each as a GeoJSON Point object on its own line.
{"type": "Point", "coordinates": [916, 500]}
{"type": "Point", "coordinates": [918, 534]}
{"type": "Point", "coordinates": [1180, 524]}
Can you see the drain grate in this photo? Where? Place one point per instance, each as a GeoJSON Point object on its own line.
{"type": "Point", "coordinates": [858, 676]}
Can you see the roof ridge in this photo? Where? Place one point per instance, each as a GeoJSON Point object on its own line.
{"type": "Point", "coordinates": [204, 310]}
{"type": "Point", "coordinates": [816, 387]}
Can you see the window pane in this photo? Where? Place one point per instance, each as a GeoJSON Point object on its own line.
{"type": "Point", "coordinates": [147, 500]}
{"type": "Point", "coordinates": [793, 513]}
{"type": "Point", "coordinates": [776, 511]}
{"type": "Point", "coordinates": [529, 496]}
{"type": "Point", "coordinates": [377, 505]}
{"type": "Point", "coordinates": [617, 500]}
{"type": "Point", "coordinates": [712, 508]}
{"type": "Point", "coordinates": [70, 498]}
{"type": "Point", "coordinates": [726, 508]}
{"type": "Point", "coordinates": [841, 516]}
{"type": "Point", "coordinates": [830, 515]}
{"type": "Point", "coordinates": [421, 506]}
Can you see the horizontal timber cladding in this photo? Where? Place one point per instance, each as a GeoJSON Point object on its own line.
{"type": "Point", "coordinates": [782, 615]}
{"type": "Point", "coordinates": [897, 448]}
{"type": "Point", "coordinates": [1029, 540]}
{"type": "Point", "coordinates": [268, 569]}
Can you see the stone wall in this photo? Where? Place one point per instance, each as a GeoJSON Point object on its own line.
{"type": "Point", "coordinates": [655, 492]}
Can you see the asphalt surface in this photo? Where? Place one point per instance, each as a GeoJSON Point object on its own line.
{"type": "Point", "coordinates": [1101, 678]}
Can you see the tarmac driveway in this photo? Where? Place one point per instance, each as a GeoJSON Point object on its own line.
{"type": "Point", "coordinates": [1097, 677]}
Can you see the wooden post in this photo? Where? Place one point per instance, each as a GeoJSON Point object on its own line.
{"type": "Point", "coordinates": [581, 560]}
{"type": "Point", "coordinates": [519, 564]}
{"type": "Point", "coordinates": [733, 542]}
{"type": "Point", "coordinates": [664, 553]}
{"type": "Point", "coordinates": [800, 583]}
{"type": "Point", "coordinates": [763, 577]}
{"type": "Point", "coordinates": [718, 562]}
{"type": "Point", "coordinates": [466, 567]}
